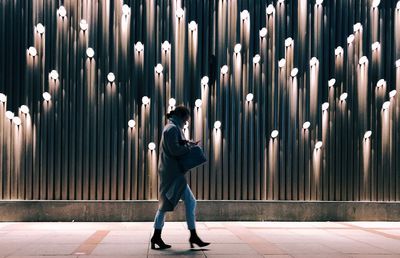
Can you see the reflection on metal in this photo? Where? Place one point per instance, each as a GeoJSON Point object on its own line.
{"type": "Point", "coordinates": [289, 100]}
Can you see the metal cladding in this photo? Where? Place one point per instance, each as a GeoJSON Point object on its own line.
{"type": "Point", "coordinates": [291, 100]}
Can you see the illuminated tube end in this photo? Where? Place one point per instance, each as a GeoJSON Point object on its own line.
{"type": "Point", "coordinates": [274, 134]}
{"type": "Point", "coordinates": [131, 123]}
{"type": "Point", "coordinates": [46, 96]}
{"type": "Point", "coordinates": [237, 48]}
{"type": "Point", "coordinates": [171, 102]}
{"type": "Point", "coordinates": [145, 100]}
{"type": "Point", "coordinates": [249, 97]}
{"type": "Point", "coordinates": [294, 72]}
{"type": "Point", "coordinates": [306, 125]}
{"type": "Point", "coordinates": [331, 82]}
{"type": "Point", "coordinates": [367, 134]}
{"type": "Point", "coordinates": [386, 105]}
{"type": "Point", "coordinates": [111, 77]}
{"type": "Point", "coordinates": [198, 103]}
{"type": "Point", "coordinates": [224, 69]}
{"type": "Point", "coordinates": [325, 106]}
{"type": "Point", "coordinates": [343, 97]}
{"type": "Point", "coordinates": [318, 145]}
{"type": "Point", "coordinates": [152, 146]}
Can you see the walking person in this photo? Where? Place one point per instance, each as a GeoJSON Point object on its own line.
{"type": "Point", "coordinates": [173, 185]}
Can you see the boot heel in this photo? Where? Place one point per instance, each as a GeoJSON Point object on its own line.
{"type": "Point", "coordinates": [191, 245]}
{"type": "Point", "coordinates": [153, 245]}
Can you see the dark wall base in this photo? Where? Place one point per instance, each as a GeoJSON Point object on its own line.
{"type": "Point", "coordinates": [206, 211]}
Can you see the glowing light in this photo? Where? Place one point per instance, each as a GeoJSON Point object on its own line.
{"type": "Point", "coordinates": [256, 59]}
{"type": "Point", "coordinates": [375, 3]}
{"type": "Point", "coordinates": [306, 125]}
{"type": "Point", "coordinates": [282, 62]}
{"type": "Point", "coordinates": [375, 46]}
{"type": "Point", "coordinates": [61, 11]}
{"type": "Point", "coordinates": [380, 83]}
{"type": "Point", "coordinates": [32, 51]}
{"type": "Point", "coordinates": [237, 48]}
{"type": "Point", "coordinates": [192, 26]}
{"type": "Point", "coordinates": [152, 146]}
{"type": "Point", "coordinates": [180, 12]}
{"type": "Point", "coordinates": [319, 2]}
{"type": "Point", "coordinates": [165, 46]}
{"type": "Point", "coordinates": [126, 10]}
{"type": "Point", "coordinates": [288, 42]}
{"type": "Point", "coordinates": [357, 27]}
{"type": "Point", "coordinates": [217, 124]}
{"type": "Point", "coordinates": [281, 1]}
{"type": "Point", "coordinates": [350, 39]}
{"type": "Point", "coordinates": [398, 5]}
{"type": "Point", "coordinates": [24, 109]}
{"type": "Point", "coordinates": [294, 72]}
{"type": "Point", "coordinates": [90, 52]}
{"type": "Point", "coordinates": [171, 102]}
{"type": "Point", "coordinates": [274, 134]}
{"type": "Point", "coordinates": [159, 68]}
{"type": "Point", "coordinates": [270, 9]}
{"type": "Point", "coordinates": [145, 100]}
{"type": "Point", "coordinates": [83, 25]}
{"type": "Point", "coordinates": [249, 97]}
{"type": "Point", "coordinates": [343, 97]}
{"type": "Point", "coordinates": [54, 75]}
{"type": "Point", "coordinates": [392, 93]}
{"type": "Point", "coordinates": [46, 96]}
{"type": "Point", "coordinates": [131, 123]}
{"type": "Point", "coordinates": [17, 121]}
{"type": "Point", "coordinates": [331, 82]}
{"type": "Point", "coordinates": [224, 69]}
{"type": "Point", "coordinates": [325, 106]}
{"type": "Point", "coordinates": [205, 80]}
{"type": "Point", "coordinates": [9, 115]}
{"type": "Point", "coordinates": [111, 77]}
{"type": "Point", "coordinates": [313, 61]}
{"type": "Point", "coordinates": [263, 32]}
{"type": "Point", "coordinates": [398, 63]}
{"type": "Point", "coordinates": [386, 105]}
{"type": "Point", "coordinates": [367, 134]}
{"type": "Point", "coordinates": [3, 98]}
{"type": "Point", "coordinates": [363, 60]}
{"type": "Point", "coordinates": [318, 145]}
{"type": "Point", "coordinates": [244, 15]}
{"type": "Point", "coordinates": [198, 103]}
{"type": "Point", "coordinates": [40, 28]}
{"type": "Point", "coordinates": [339, 51]}
{"type": "Point", "coordinates": [139, 46]}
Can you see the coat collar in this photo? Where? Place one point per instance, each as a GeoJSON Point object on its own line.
{"type": "Point", "coordinates": [177, 121]}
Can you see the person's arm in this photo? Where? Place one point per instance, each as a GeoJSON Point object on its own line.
{"type": "Point", "coordinates": [172, 140]}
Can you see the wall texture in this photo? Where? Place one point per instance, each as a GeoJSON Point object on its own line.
{"type": "Point", "coordinates": [331, 64]}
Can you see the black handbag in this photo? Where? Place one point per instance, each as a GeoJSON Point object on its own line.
{"type": "Point", "coordinates": [192, 159]}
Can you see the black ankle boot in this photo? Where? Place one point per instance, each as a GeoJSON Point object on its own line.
{"type": "Point", "coordinates": [194, 239]}
{"type": "Point", "coordinates": [156, 240]}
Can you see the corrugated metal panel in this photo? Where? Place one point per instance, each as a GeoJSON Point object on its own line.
{"type": "Point", "coordinates": [78, 145]}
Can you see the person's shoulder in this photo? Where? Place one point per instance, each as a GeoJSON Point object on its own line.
{"type": "Point", "coordinates": [170, 127]}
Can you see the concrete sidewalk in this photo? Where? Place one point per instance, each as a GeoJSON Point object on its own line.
{"type": "Point", "coordinates": [229, 239]}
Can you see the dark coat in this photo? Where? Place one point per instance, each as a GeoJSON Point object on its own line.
{"type": "Point", "coordinates": [172, 177]}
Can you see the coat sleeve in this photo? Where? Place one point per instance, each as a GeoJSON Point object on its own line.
{"type": "Point", "coordinates": [172, 140]}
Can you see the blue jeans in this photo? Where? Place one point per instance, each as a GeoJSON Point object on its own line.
{"type": "Point", "coordinates": [190, 207]}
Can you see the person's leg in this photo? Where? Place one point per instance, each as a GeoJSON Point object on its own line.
{"type": "Point", "coordinates": [158, 225]}
{"type": "Point", "coordinates": [159, 220]}
{"type": "Point", "coordinates": [190, 207]}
